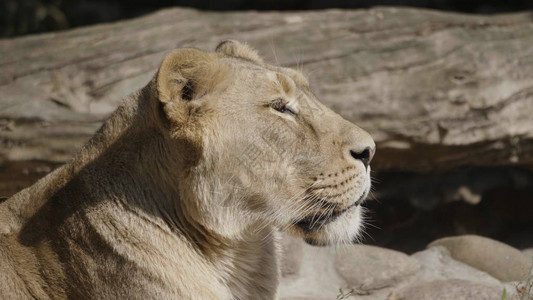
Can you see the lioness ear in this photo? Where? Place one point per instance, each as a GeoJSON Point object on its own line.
{"type": "Point", "coordinates": [237, 49]}
{"type": "Point", "coordinates": [186, 74]}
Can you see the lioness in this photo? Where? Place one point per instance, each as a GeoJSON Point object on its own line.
{"type": "Point", "coordinates": [180, 193]}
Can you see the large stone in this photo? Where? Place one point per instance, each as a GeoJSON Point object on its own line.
{"type": "Point", "coordinates": [369, 268]}
{"type": "Point", "coordinates": [316, 279]}
{"type": "Point", "coordinates": [436, 263]}
{"type": "Point", "coordinates": [499, 260]}
{"type": "Point", "coordinates": [453, 289]}
{"type": "Point", "coordinates": [528, 253]}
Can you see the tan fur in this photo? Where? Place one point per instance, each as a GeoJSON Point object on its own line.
{"type": "Point", "coordinates": [179, 195]}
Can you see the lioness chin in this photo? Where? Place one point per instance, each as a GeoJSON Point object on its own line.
{"type": "Point", "coordinates": [180, 193]}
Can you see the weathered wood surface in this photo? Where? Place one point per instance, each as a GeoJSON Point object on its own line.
{"type": "Point", "coordinates": [438, 91]}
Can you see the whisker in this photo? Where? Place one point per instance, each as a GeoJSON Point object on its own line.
{"type": "Point", "coordinates": [291, 203]}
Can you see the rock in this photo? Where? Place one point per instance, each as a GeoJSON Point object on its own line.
{"type": "Point", "coordinates": [528, 253]}
{"type": "Point", "coordinates": [453, 289]}
{"type": "Point", "coordinates": [436, 263]}
{"type": "Point", "coordinates": [291, 255]}
{"type": "Point", "coordinates": [324, 270]}
{"type": "Point", "coordinates": [499, 260]}
{"type": "Point", "coordinates": [369, 268]}
{"type": "Point", "coordinates": [316, 279]}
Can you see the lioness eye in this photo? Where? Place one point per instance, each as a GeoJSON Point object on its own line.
{"type": "Point", "coordinates": [281, 106]}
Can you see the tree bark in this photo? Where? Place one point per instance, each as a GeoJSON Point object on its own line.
{"type": "Point", "coordinates": [438, 91]}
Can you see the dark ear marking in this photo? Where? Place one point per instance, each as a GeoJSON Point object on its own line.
{"type": "Point", "coordinates": [187, 91]}
{"type": "Point", "coordinates": [185, 76]}
{"type": "Point", "coordinates": [188, 72]}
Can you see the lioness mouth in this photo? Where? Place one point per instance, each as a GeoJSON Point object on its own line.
{"type": "Point", "coordinates": [316, 221]}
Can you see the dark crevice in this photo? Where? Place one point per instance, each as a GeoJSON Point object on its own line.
{"type": "Point", "coordinates": [413, 209]}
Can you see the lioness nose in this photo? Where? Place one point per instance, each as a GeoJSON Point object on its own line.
{"type": "Point", "coordinates": [360, 145]}
{"type": "Point", "coordinates": [364, 156]}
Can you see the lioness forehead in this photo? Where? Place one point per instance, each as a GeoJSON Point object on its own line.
{"type": "Point", "coordinates": [272, 72]}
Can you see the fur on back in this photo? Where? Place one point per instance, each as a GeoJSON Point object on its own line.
{"type": "Point", "coordinates": [181, 193]}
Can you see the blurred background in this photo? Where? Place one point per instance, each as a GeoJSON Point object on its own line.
{"type": "Point", "coordinates": [19, 17]}
{"type": "Point", "coordinates": [447, 93]}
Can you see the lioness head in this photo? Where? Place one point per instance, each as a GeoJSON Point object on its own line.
{"type": "Point", "coordinates": [258, 148]}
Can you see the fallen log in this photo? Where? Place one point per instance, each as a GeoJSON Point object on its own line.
{"type": "Point", "coordinates": [438, 91]}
